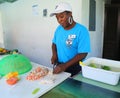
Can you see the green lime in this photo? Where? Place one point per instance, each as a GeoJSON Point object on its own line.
{"type": "Point", "coordinates": [105, 67]}
{"type": "Point", "coordinates": [93, 65]}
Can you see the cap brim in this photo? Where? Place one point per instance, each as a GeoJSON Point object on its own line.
{"type": "Point", "coordinates": [56, 12]}
{"type": "Point", "coordinates": [52, 14]}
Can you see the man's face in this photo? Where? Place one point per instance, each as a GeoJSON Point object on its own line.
{"type": "Point", "coordinates": [62, 19]}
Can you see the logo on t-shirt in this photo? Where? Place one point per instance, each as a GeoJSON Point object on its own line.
{"type": "Point", "coordinates": [69, 41]}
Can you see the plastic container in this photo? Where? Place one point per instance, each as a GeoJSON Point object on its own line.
{"type": "Point", "coordinates": [106, 76]}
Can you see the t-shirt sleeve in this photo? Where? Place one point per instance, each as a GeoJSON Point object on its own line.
{"type": "Point", "coordinates": [55, 33]}
{"type": "Point", "coordinates": [84, 41]}
{"type": "Point", "coordinates": [54, 39]}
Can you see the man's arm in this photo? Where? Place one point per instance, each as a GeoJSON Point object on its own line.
{"type": "Point", "coordinates": [54, 58]}
{"type": "Point", "coordinates": [73, 61]}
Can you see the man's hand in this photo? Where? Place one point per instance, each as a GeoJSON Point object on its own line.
{"type": "Point", "coordinates": [59, 68]}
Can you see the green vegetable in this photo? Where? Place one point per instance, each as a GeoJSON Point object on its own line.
{"type": "Point", "coordinates": [35, 90]}
{"type": "Point", "coordinates": [93, 65]}
{"type": "Point", "coordinates": [105, 67]}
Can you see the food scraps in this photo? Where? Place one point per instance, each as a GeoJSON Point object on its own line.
{"type": "Point", "coordinates": [49, 79]}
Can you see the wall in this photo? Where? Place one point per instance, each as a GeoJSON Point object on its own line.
{"type": "Point", "coordinates": [1, 33]}
{"type": "Point", "coordinates": [31, 33]}
{"type": "Point", "coordinates": [97, 35]}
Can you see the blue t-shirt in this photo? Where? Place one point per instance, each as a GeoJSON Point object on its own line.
{"type": "Point", "coordinates": [71, 42]}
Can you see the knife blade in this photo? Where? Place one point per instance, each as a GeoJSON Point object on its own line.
{"type": "Point", "coordinates": [54, 65]}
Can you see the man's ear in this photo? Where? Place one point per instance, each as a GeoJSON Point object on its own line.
{"type": "Point", "coordinates": [69, 14]}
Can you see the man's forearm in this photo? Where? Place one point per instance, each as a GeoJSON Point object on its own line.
{"type": "Point", "coordinates": [76, 59]}
{"type": "Point", "coordinates": [54, 50]}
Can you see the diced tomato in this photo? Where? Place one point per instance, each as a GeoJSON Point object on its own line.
{"type": "Point", "coordinates": [12, 81]}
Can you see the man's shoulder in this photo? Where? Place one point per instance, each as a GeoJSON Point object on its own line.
{"type": "Point", "coordinates": [80, 25]}
{"type": "Point", "coordinates": [59, 27]}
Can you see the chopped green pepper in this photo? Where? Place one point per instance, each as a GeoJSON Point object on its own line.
{"type": "Point", "coordinates": [35, 90]}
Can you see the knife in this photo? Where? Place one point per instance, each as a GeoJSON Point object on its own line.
{"type": "Point", "coordinates": [54, 65]}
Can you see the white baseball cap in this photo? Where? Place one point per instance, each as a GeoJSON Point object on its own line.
{"type": "Point", "coordinates": [61, 7]}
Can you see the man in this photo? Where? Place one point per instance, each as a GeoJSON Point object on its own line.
{"type": "Point", "coordinates": [71, 42]}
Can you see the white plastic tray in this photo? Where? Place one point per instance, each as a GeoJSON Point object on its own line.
{"type": "Point", "coordinates": [109, 77]}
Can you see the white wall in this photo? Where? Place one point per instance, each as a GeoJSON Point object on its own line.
{"type": "Point", "coordinates": [32, 34]}
{"type": "Point", "coordinates": [1, 33]}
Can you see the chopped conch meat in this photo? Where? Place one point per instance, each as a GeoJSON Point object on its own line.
{"type": "Point", "coordinates": [37, 73]}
